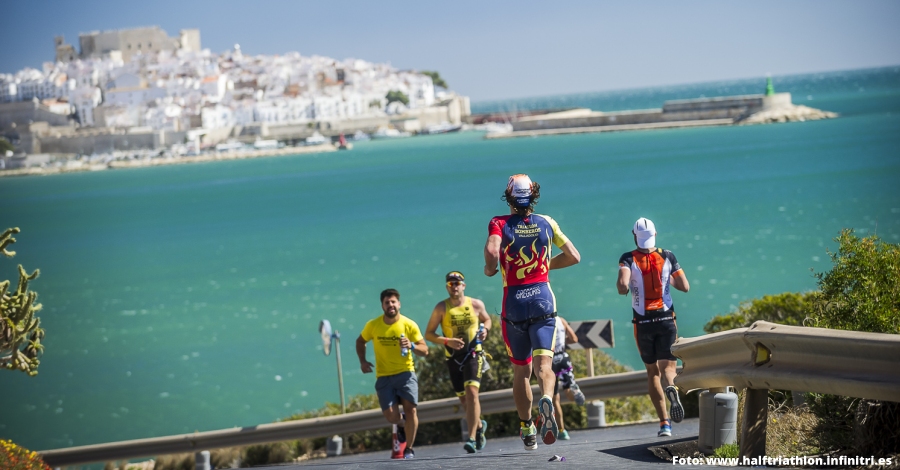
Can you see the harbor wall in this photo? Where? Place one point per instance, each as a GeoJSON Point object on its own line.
{"type": "Point", "coordinates": [96, 142]}
{"type": "Point", "coordinates": [730, 107]}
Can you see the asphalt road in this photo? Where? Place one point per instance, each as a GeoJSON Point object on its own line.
{"type": "Point", "coordinates": [617, 447]}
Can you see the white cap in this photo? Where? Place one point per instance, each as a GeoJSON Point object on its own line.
{"type": "Point", "coordinates": [645, 232]}
{"type": "Point", "coordinates": [520, 187]}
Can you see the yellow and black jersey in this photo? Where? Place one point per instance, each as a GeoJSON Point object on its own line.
{"type": "Point", "coordinates": [460, 322]}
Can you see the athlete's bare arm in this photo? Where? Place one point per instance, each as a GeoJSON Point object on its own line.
{"type": "Point", "coordinates": [679, 281]}
{"type": "Point", "coordinates": [624, 280]}
{"type": "Point", "coordinates": [437, 315]}
{"type": "Point", "coordinates": [492, 255]}
{"type": "Point", "coordinates": [570, 333]}
{"type": "Point", "coordinates": [569, 256]}
{"type": "Point", "coordinates": [365, 365]}
{"type": "Point", "coordinates": [483, 316]}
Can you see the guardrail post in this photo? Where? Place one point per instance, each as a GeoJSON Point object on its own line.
{"type": "Point", "coordinates": [201, 460]}
{"type": "Point", "coordinates": [333, 446]}
{"type": "Point", "coordinates": [596, 414]}
{"type": "Point", "coordinates": [753, 427]}
{"type": "Point", "coordinates": [590, 361]}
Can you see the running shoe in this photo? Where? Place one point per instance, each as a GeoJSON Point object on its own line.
{"type": "Point", "coordinates": [579, 395]}
{"type": "Point", "coordinates": [676, 411]}
{"type": "Point", "coordinates": [470, 446]}
{"type": "Point", "coordinates": [549, 428]}
{"type": "Point", "coordinates": [563, 435]}
{"type": "Point", "coordinates": [529, 436]}
{"type": "Point", "coordinates": [409, 453]}
{"type": "Point", "coordinates": [664, 431]}
{"type": "Point", "coordinates": [480, 440]}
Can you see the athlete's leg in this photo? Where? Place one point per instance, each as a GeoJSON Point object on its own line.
{"type": "Point", "coordinates": [557, 407]}
{"type": "Point", "coordinates": [668, 371]}
{"type": "Point", "coordinates": [656, 392]}
{"type": "Point", "coordinates": [412, 421]}
{"type": "Point", "coordinates": [473, 409]}
{"type": "Point", "coordinates": [392, 414]}
{"type": "Point", "coordinates": [543, 370]}
{"type": "Point", "coordinates": [522, 390]}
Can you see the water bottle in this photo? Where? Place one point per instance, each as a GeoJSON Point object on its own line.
{"type": "Point", "coordinates": [403, 350]}
{"type": "Point", "coordinates": [478, 336]}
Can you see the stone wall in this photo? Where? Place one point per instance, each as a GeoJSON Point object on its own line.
{"type": "Point", "coordinates": [97, 142]}
{"type": "Point", "coordinates": [726, 107]}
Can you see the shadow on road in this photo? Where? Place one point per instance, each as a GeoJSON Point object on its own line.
{"type": "Point", "coordinates": [640, 452]}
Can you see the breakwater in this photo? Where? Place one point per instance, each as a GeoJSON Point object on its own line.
{"type": "Point", "coordinates": [717, 111]}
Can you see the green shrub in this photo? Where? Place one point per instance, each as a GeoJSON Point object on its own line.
{"type": "Point", "coordinates": [727, 451]}
{"type": "Point", "coordinates": [861, 292]}
{"type": "Point", "coordinates": [788, 308]}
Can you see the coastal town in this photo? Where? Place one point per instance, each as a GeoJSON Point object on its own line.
{"type": "Point", "coordinates": [139, 94]}
{"type": "Point", "coordinates": [138, 97]}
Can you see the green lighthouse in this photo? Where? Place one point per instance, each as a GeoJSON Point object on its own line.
{"type": "Point", "coordinates": [770, 90]}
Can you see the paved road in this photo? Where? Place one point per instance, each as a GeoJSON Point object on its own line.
{"type": "Point", "coordinates": [618, 447]}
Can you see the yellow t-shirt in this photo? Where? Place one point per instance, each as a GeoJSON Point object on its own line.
{"type": "Point", "coordinates": [386, 340]}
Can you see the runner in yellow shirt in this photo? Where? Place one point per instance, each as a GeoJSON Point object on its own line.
{"type": "Point", "coordinates": [394, 337]}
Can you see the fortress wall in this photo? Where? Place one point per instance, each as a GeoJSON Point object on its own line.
{"type": "Point", "coordinates": [99, 143]}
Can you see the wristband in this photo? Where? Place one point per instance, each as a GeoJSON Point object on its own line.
{"type": "Point", "coordinates": [445, 341]}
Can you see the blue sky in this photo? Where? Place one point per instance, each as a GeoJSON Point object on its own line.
{"type": "Point", "coordinates": [503, 49]}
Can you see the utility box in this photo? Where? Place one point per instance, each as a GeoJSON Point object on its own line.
{"type": "Point", "coordinates": [334, 446]}
{"type": "Point", "coordinates": [718, 419]}
{"type": "Point", "coordinates": [596, 414]}
{"type": "Point", "coordinates": [201, 460]}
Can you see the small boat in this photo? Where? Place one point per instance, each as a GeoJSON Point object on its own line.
{"type": "Point", "coordinates": [316, 139]}
{"type": "Point", "coordinates": [265, 144]}
{"type": "Point", "coordinates": [342, 143]}
{"type": "Point", "coordinates": [360, 136]}
{"type": "Point", "coordinates": [442, 128]}
{"type": "Point", "coordinates": [389, 133]}
{"type": "Point", "coordinates": [229, 146]}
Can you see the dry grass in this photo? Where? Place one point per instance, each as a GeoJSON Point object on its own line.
{"type": "Point", "coordinates": [789, 431]}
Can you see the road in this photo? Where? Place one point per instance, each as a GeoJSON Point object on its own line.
{"type": "Point", "coordinates": [616, 447]}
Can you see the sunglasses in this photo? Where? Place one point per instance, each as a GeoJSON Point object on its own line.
{"type": "Point", "coordinates": [453, 283]}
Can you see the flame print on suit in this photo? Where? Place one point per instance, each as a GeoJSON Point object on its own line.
{"type": "Point", "coordinates": [524, 263]}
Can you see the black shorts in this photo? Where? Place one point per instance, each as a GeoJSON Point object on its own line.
{"type": "Point", "coordinates": [655, 340]}
{"type": "Point", "coordinates": [562, 367]}
{"type": "Point", "coordinates": [465, 371]}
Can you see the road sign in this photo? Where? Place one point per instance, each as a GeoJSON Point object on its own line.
{"type": "Point", "coordinates": [325, 331]}
{"type": "Point", "coordinates": [592, 334]}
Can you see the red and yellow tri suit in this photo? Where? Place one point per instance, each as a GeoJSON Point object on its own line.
{"type": "Point", "coordinates": [528, 302]}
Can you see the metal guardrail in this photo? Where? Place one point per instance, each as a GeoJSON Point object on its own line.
{"type": "Point", "coordinates": [769, 356]}
{"type": "Point", "coordinates": [780, 357]}
{"type": "Point", "coordinates": [601, 387]}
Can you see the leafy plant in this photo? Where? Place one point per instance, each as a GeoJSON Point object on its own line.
{"type": "Point", "coordinates": [5, 146]}
{"type": "Point", "coordinates": [727, 451]}
{"type": "Point", "coordinates": [397, 95]}
{"type": "Point", "coordinates": [861, 292]}
{"type": "Point", "coordinates": [20, 331]}
{"type": "Point", "coordinates": [13, 457]}
{"type": "Point", "coordinates": [788, 308]}
{"type": "Point", "coordinates": [436, 78]}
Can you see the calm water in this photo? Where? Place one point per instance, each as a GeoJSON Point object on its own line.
{"type": "Point", "coordinates": [187, 298]}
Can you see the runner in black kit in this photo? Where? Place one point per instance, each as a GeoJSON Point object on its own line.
{"type": "Point", "coordinates": [648, 272]}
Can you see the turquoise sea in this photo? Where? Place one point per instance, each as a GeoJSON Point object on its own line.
{"type": "Point", "coordinates": [187, 297]}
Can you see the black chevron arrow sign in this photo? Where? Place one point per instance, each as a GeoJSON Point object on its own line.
{"type": "Point", "coordinates": [592, 334]}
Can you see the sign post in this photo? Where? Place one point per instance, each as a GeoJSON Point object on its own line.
{"type": "Point", "coordinates": [327, 337]}
{"type": "Point", "coordinates": [592, 334]}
